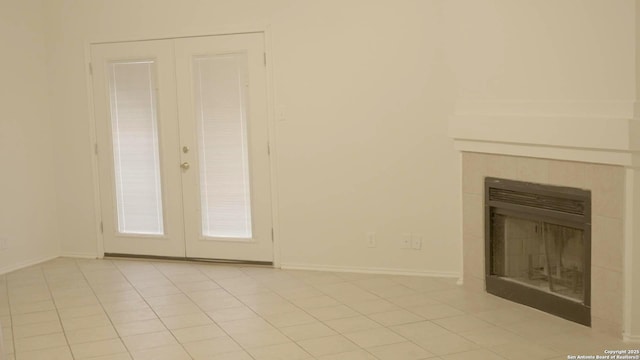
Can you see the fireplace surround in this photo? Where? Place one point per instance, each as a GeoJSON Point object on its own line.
{"type": "Point", "coordinates": [606, 184]}
{"type": "Point", "coordinates": [538, 246]}
{"type": "Point", "coordinates": [591, 145]}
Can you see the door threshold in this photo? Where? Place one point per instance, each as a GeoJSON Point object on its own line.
{"type": "Point", "coordinates": [190, 259]}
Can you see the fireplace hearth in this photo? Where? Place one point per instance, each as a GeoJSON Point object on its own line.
{"type": "Point", "coordinates": [538, 246]}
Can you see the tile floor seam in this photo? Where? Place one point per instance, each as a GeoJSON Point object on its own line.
{"type": "Point", "coordinates": [278, 329]}
{"type": "Point", "coordinates": [13, 338]}
{"type": "Point", "coordinates": [102, 307]}
{"type": "Point", "coordinates": [72, 279]}
{"type": "Point", "coordinates": [420, 346]}
{"type": "Point", "coordinates": [341, 302]}
{"type": "Point", "coordinates": [150, 307]}
{"type": "Point", "coordinates": [306, 312]}
{"type": "Point", "coordinates": [57, 313]}
{"type": "Point", "coordinates": [388, 327]}
{"type": "Point", "coordinates": [502, 326]}
{"type": "Point", "coordinates": [204, 312]}
{"type": "Point", "coordinates": [266, 320]}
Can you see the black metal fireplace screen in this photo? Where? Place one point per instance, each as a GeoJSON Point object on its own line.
{"type": "Point", "coordinates": [538, 246]}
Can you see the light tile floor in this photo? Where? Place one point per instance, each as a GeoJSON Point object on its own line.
{"type": "Point", "coordinates": [117, 309]}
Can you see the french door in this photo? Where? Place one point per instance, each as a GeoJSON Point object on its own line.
{"type": "Point", "coordinates": [182, 134]}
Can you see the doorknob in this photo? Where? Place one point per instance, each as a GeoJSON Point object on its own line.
{"type": "Point", "coordinates": [185, 165]}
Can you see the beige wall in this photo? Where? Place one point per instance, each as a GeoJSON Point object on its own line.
{"type": "Point", "coordinates": [362, 93]}
{"type": "Point", "coordinates": [28, 219]}
{"type": "Point", "coordinates": [532, 50]}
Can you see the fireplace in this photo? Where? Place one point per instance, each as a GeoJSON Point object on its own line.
{"type": "Point", "coordinates": [538, 246]}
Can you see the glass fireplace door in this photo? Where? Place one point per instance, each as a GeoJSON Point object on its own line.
{"type": "Point", "coordinates": [538, 246]}
{"type": "Point", "coordinates": [539, 254]}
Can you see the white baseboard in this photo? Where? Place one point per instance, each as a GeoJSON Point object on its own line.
{"type": "Point", "coordinates": [370, 270]}
{"type": "Point", "coordinates": [26, 263]}
{"type": "Point", "coordinates": [631, 338]}
{"type": "Point", "coordinates": [79, 255]}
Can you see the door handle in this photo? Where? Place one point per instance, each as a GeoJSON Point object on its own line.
{"type": "Point", "coordinates": [185, 165]}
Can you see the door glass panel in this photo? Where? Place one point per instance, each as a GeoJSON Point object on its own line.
{"type": "Point", "coordinates": [136, 156]}
{"type": "Point", "coordinates": [221, 117]}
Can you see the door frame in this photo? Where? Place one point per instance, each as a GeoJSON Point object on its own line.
{"type": "Point", "coordinates": [271, 120]}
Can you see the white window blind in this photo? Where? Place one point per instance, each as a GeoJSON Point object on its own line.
{"type": "Point", "coordinates": [220, 100]}
{"type": "Point", "coordinates": [135, 147]}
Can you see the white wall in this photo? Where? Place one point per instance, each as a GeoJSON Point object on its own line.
{"type": "Point", "coordinates": [362, 146]}
{"type": "Point", "coordinates": [28, 219]}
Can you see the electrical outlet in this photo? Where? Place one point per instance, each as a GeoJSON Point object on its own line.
{"type": "Point", "coordinates": [416, 242]}
{"type": "Point", "coordinates": [371, 240]}
{"type": "Point", "coordinates": [406, 241]}
{"type": "Point", "coordinates": [4, 243]}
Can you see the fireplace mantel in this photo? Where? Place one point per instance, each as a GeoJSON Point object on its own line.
{"type": "Point", "coordinates": [604, 133]}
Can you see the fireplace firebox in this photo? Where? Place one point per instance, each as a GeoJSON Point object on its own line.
{"type": "Point", "coordinates": [538, 246]}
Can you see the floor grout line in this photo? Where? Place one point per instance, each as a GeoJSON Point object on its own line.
{"type": "Point", "coordinates": [105, 279]}
{"type": "Point", "coordinates": [204, 312]}
{"type": "Point", "coordinates": [66, 338]}
{"type": "Point", "coordinates": [102, 306]}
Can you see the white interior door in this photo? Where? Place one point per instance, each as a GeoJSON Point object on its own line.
{"type": "Point", "coordinates": [136, 127]}
{"type": "Point", "coordinates": [223, 123]}
{"type": "Point", "coordinates": [183, 136]}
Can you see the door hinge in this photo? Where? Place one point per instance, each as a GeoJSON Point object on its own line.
{"type": "Point", "coordinates": [264, 55]}
{"type": "Point", "coordinates": [101, 227]}
{"type": "Point", "coordinates": [95, 148]}
{"type": "Point", "coordinates": [90, 69]}
{"type": "Point", "coordinates": [271, 234]}
{"type": "Point", "coordinates": [268, 148]}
